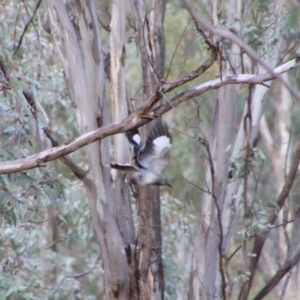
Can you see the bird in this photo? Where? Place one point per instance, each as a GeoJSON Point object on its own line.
{"type": "Point", "coordinates": [149, 160]}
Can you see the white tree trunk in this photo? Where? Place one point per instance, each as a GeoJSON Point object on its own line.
{"type": "Point", "coordinates": [207, 278]}
{"type": "Point", "coordinates": [120, 188]}
{"type": "Point", "coordinates": [81, 55]}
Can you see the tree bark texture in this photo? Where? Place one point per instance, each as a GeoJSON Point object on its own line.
{"type": "Point", "coordinates": [207, 278]}
{"type": "Point", "coordinates": [133, 267]}
{"type": "Point", "coordinates": [120, 188]}
{"type": "Point", "coordinates": [206, 282]}
{"type": "Point", "coordinates": [150, 39]}
{"type": "Point", "coordinates": [77, 37]}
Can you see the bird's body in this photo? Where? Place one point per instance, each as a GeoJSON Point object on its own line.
{"type": "Point", "coordinates": [150, 160]}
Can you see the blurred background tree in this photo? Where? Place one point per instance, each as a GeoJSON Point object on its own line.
{"type": "Point", "coordinates": [229, 225]}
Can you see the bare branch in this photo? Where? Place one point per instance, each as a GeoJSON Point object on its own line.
{"type": "Point", "coordinates": [254, 235]}
{"type": "Point", "coordinates": [79, 172]}
{"type": "Point", "coordinates": [40, 222]}
{"type": "Point", "coordinates": [217, 83]}
{"type": "Point", "coordinates": [196, 186]}
{"type": "Point", "coordinates": [277, 277]}
{"type": "Point", "coordinates": [260, 240]}
{"type": "Point", "coordinates": [73, 276]}
{"type": "Point", "coordinates": [193, 14]}
{"type": "Point", "coordinates": [137, 119]}
{"type": "Point", "coordinates": [228, 35]}
{"type": "Point", "coordinates": [167, 87]}
{"type": "Point", "coordinates": [173, 55]}
{"type": "Point", "coordinates": [59, 240]}
{"type": "Point", "coordinates": [26, 26]}
{"type": "Point", "coordinates": [106, 26]}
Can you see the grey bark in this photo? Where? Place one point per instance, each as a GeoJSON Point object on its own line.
{"type": "Point", "coordinates": [207, 279]}
{"type": "Point", "coordinates": [206, 276]}
{"type": "Point", "coordinates": [120, 188]}
{"type": "Point", "coordinates": [80, 42]}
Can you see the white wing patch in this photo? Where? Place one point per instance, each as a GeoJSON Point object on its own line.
{"type": "Point", "coordinates": [161, 142]}
{"type": "Point", "coordinates": [137, 139]}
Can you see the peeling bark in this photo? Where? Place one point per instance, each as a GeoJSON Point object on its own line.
{"type": "Point", "coordinates": [79, 46]}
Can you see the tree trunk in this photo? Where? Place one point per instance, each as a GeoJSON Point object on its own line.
{"type": "Point", "coordinates": [207, 259]}
{"type": "Point", "coordinates": [151, 285]}
{"type": "Point", "coordinates": [120, 188]}
{"type": "Point", "coordinates": [219, 209]}
{"type": "Point", "coordinates": [80, 42]}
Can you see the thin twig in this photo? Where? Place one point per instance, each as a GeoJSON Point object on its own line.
{"type": "Point", "coordinates": [261, 238]}
{"type": "Point", "coordinates": [173, 55]}
{"type": "Point", "coordinates": [61, 239]}
{"type": "Point", "coordinates": [247, 49]}
{"type": "Point", "coordinates": [104, 25]}
{"type": "Point", "coordinates": [254, 235]}
{"type": "Point", "coordinates": [233, 253]}
{"type": "Point", "coordinates": [15, 27]}
{"type": "Point", "coordinates": [73, 276]}
{"type": "Point", "coordinates": [27, 25]}
{"type": "Point", "coordinates": [196, 186]}
{"type": "Point", "coordinates": [26, 8]}
{"type": "Point", "coordinates": [40, 222]}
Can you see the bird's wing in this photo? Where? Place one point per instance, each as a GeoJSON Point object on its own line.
{"type": "Point", "coordinates": [134, 139]}
{"type": "Point", "coordinates": [155, 155]}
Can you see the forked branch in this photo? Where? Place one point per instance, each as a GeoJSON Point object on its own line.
{"type": "Point", "coordinates": [135, 120]}
{"type": "Point", "coordinates": [225, 34]}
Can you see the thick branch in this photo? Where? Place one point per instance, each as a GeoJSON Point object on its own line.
{"type": "Point", "coordinates": [134, 120]}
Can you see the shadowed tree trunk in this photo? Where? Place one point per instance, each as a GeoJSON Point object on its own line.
{"type": "Point", "coordinates": [151, 44]}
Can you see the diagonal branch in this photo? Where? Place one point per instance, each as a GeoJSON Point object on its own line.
{"type": "Point", "coordinates": [260, 240]}
{"type": "Point", "coordinates": [167, 87]}
{"type": "Point", "coordinates": [68, 161]}
{"type": "Point", "coordinates": [26, 26]}
{"type": "Point", "coordinates": [135, 120]}
{"type": "Point", "coordinates": [278, 276]}
{"type": "Point", "coordinates": [193, 14]}
{"type": "Point", "coordinates": [72, 276]}
{"type": "Point", "coordinates": [250, 52]}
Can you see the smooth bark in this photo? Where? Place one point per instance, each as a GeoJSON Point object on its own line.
{"type": "Point", "coordinates": [81, 43]}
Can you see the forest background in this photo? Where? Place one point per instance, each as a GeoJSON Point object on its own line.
{"type": "Point", "coordinates": [76, 75]}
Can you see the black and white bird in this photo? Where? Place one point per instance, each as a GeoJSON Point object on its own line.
{"type": "Point", "coordinates": [150, 160]}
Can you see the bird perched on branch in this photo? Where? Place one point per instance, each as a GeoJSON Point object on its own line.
{"type": "Point", "coordinates": [150, 160]}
